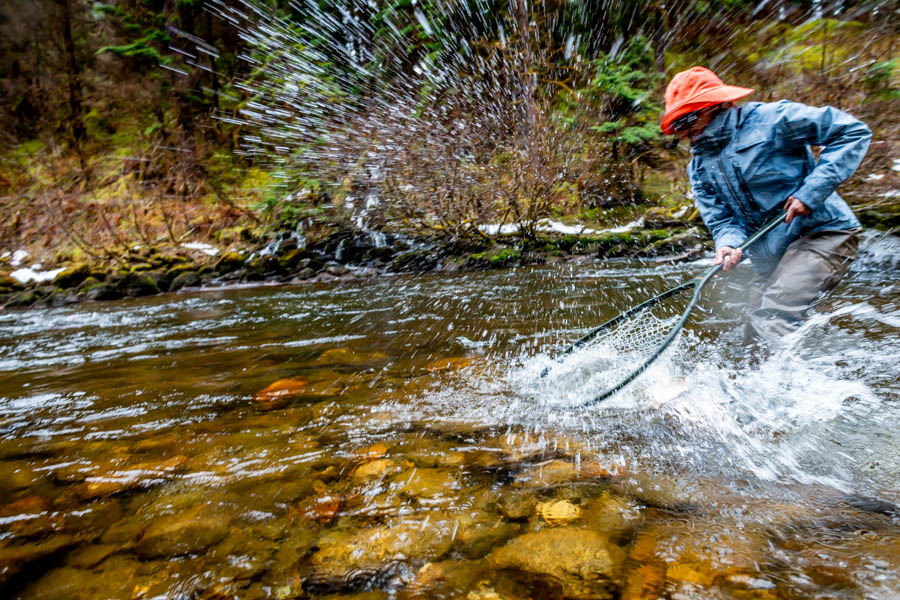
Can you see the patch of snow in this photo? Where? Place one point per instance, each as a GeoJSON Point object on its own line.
{"type": "Point", "coordinates": [680, 212]}
{"type": "Point", "coordinates": [27, 275]}
{"type": "Point", "coordinates": [626, 227]}
{"type": "Point", "coordinates": [896, 166]}
{"type": "Point", "coordinates": [874, 176]}
{"type": "Point", "coordinates": [18, 256]}
{"type": "Point", "coordinates": [205, 248]}
{"type": "Point", "coordinates": [497, 228]}
{"type": "Point", "coordinates": [891, 194]}
{"type": "Point", "coordinates": [556, 227]}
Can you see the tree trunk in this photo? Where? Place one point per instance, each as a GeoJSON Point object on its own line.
{"type": "Point", "coordinates": [73, 75]}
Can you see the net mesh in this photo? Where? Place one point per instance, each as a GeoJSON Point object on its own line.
{"type": "Point", "coordinates": [611, 356]}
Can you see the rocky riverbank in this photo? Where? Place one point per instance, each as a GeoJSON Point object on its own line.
{"type": "Point", "coordinates": [346, 254]}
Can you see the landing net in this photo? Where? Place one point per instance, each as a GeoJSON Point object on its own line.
{"type": "Point", "coordinates": [606, 358]}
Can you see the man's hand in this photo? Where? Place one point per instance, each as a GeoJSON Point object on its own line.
{"type": "Point", "coordinates": [795, 208]}
{"type": "Point", "coordinates": [728, 257]}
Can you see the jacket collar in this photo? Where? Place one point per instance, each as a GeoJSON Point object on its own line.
{"type": "Point", "coordinates": [718, 133]}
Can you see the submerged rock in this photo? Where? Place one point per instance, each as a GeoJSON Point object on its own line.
{"type": "Point", "coordinates": [517, 505]}
{"type": "Point", "coordinates": [453, 577]}
{"type": "Point", "coordinates": [346, 356]}
{"type": "Point", "coordinates": [187, 532]}
{"type": "Point", "coordinates": [426, 483]}
{"type": "Point", "coordinates": [550, 473]}
{"type": "Point", "coordinates": [374, 469]}
{"type": "Point", "coordinates": [611, 515]}
{"type": "Point", "coordinates": [700, 553]}
{"type": "Point", "coordinates": [448, 364]}
{"type": "Point", "coordinates": [88, 557]}
{"type": "Point", "coordinates": [119, 577]}
{"type": "Point", "coordinates": [644, 582]}
{"type": "Point", "coordinates": [28, 517]}
{"type": "Point", "coordinates": [372, 452]}
{"type": "Point", "coordinates": [110, 479]}
{"type": "Point", "coordinates": [15, 558]}
{"type": "Point", "coordinates": [15, 476]}
{"type": "Point", "coordinates": [279, 393]}
{"type": "Point", "coordinates": [558, 512]}
{"type": "Point", "coordinates": [479, 532]}
{"type": "Point", "coordinates": [366, 553]}
{"type": "Point", "coordinates": [581, 562]}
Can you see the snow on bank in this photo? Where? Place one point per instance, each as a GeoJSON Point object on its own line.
{"type": "Point", "coordinates": [35, 273]}
{"type": "Point", "coordinates": [17, 257]}
{"type": "Point", "coordinates": [546, 225]}
{"type": "Point", "coordinates": [206, 249]}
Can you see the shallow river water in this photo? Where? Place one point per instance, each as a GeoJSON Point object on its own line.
{"type": "Point", "coordinates": [385, 438]}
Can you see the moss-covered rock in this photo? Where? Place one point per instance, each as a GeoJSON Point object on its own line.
{"type": "Point", "coordinates": [680, 241]}
{"type": "Point", "coordinates": [8, 282]}
{"type": "Point", "coordinates": [290, 261]}
{"type": "Point", "coordinates": [99, 273]}
{"type": "Point", "coordinates": [45, 291]}
{"type": "Point", "coordinates": [102, 291]}
{"type": "Point", "coordinates": [229, 262]}
{"type": "Point", "coordinates": [498, 257]}
{"type": "Point", "coordinates": [138, 284]}
{"type": "Point", "coordinates": [159, 278]}
{"type": "Point", "coordinates": [264, 266]}
{"type": "Point", "coordinates": [117, 276]}
{"type": "Point", "coordinates": [185, 279]}
{"type": "Point", "coordinates": [72, 276]}
{"type": "Point", "coordinates": [880, 220]}
{"type": "Point", "coordinates": [24, 298]}
{"type": "Point", "coordinates": [176, 270]}
{"type": "Point", "coordinates": [142, 266]}
{"type": "Point", "coordinates": [88, 283]}
{"type": "Point", "coordinates": [414, 261]}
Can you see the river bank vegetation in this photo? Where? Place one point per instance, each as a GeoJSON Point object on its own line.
{"type": "Point", "coordinates": [146, 141]}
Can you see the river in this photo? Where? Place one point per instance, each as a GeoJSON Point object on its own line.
{"type": "Point", "coordinates": [384, 438]}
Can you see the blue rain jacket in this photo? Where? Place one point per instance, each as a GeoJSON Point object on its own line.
{"type": "Point", "coordinates": [751, 157]}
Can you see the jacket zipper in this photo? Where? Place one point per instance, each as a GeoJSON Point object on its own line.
{"type": "Point", "coordinates": [740, 201]}
{"type": "Point", "coordinates": [757, 209]}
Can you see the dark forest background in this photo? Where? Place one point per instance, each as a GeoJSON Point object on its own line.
{"type": "Point", "coordinates": [112, 132]}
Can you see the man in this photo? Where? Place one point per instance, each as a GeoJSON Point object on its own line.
{"type": "Point", "coordinates": [750, 161]}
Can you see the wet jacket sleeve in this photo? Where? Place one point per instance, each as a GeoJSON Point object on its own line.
{"type": "Point", "coordinates": [844, 140]}
{"type": "Point", "coordinates": [716, 215]}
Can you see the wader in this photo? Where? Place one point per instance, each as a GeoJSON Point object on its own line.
{"type": "Point", "coordinates": [808, 271]}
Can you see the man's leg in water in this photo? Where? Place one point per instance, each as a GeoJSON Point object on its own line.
{"type": "Point", "coordinates": [809, 270]}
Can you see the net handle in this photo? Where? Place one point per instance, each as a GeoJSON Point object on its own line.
{"type": "Point", "coordinates": [697, 283]}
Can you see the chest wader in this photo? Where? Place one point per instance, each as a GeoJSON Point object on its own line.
{"type": "Point", "coordinates": [808, 271]}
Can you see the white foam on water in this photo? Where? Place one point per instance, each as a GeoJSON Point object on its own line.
{"type": "Point", "coordinates": [775, 422]}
